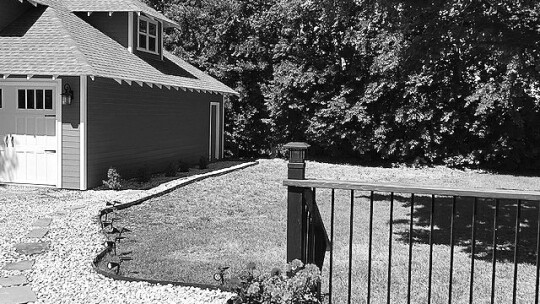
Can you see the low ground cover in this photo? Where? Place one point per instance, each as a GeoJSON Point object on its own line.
{"type": "Point", "coordinates": [240, 217]}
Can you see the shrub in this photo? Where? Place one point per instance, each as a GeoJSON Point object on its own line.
{"type": "Point", "coordinates": [203, 162]}
{"type": "Point", "coordinates": [171, 169]}
{"type": "Point", "coordinates": [144, 175]}
{"type": "Point", "coordinates": [113, 181]}
{"type": "Point", "coordinates": [299, 285]}
{"type": "Point", "coordinates": [183, 166]}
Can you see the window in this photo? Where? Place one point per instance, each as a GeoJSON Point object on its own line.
{"type": "Point", "coordinates": [34, 99]}
{"type": "Point", "coordinates": [0, 98]}
{"type": "Point", "coordinates": [148, 35]}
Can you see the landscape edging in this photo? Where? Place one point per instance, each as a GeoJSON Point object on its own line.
{"type": "Point", "coordinates": [138, 201]}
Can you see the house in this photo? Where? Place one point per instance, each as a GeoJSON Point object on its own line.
{"type": "Point", "coordinates": [86, 85]}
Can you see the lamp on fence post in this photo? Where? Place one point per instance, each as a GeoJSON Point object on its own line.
{"type": "Point", "coordinates": [296, 226]}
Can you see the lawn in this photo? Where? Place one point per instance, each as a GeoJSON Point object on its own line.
{"type": "Point", "coordinates": [240, 217]}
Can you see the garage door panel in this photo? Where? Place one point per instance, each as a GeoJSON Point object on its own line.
{"type": "Point", "coordinates": [29, 117]}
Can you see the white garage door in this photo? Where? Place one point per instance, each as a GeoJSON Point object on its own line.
{"type": "Point", "coordinates": [29, 143]}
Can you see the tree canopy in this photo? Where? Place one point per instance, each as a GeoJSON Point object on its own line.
{"type": "Point", "coordinates": [455, 82]}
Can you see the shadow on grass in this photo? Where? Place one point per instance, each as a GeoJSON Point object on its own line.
{"type": "Point", "coordinates": [506, 222]}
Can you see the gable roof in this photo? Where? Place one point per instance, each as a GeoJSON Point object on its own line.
{"type": "Point", "coordinates": [51, 40]}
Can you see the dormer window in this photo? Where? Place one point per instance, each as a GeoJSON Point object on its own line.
{"type": "Point", "coordinates": [148, 35]}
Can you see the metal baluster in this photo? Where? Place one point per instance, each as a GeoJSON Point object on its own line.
{"type": "Point", "coordinates": [452, 250]}
{"type": "Point", "coordinates": [410, 250]}
{"type": "Point", "coordinates": [370, 247]}
{"type": "Point", "coordinates": [431, 222]}
{"type": "Point", "coordinates": [516, 251]}
{"type": "Point", "coordinates": [537, 253]}
{"type": "Point", "coordinates": [331, 246]}
{"type": "Point", "coordinates": [351, 247]}
{"type": "Point", "coordinates": [390, 248]}
{"type": "Point", "coordinates": [494, 255]}
{"type": "Point", "coordinates": [473, 248]}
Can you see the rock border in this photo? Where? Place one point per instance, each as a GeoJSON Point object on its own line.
{"type": "Point", "coordinates": [153, 193]}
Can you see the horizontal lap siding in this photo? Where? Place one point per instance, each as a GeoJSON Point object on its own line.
{"type": "Point", "coordinates": [11, 10]}
{"type": "Point", "coordinates": [115, 26]}
{"type": "Point", "coordinates": [132, 126]}
{"type": "Point", "coordinates": [71, 135]}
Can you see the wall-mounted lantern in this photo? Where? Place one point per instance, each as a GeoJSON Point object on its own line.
{"type": "Point", "coordinates": [67, 96]}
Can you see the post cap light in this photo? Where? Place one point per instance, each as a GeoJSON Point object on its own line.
{"type": "Point", "coordinates": [67, 95]}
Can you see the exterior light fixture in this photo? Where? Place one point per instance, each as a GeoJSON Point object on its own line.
{"type": "Point", "coordinates": [112, 265]}
{"type": "Point", "coordinates": [110, 246]}
{"type": "Point", "coordinates": [67, 96]}
{"type": "Point", "coordinates": [220, 276]}
{"type": "Point", "coordinates": [116, 265]}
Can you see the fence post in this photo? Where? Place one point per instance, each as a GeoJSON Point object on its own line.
{"type": "Point", "coordinates": [296, 209]}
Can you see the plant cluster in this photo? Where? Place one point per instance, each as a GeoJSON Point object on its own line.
{"type": "Point", "coordinates": [203, 162]}
{"type": "Point", "coordinates": [299, 285]}
{"type": "Point", "coordinates": [144, 174]}
{"type": "Point", "coordinates": [183, 166]}
{"type": "Point", "coordinates": [114, 180]}
{"type": "Point", "coordinates": [172, 169]}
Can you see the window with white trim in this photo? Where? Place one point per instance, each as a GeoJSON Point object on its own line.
{"type": "Point", "coordinates": [148, 35]}
{"type": "Point", "coordinates": [35, 99]}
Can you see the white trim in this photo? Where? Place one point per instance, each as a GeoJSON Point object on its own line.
{"type": "Point", "coordinates": [59, 131]}
{"type": "Point", "coordinates": [216, 148]}
{"type": "Point", "coordinates": [130, 32]}
{"type": "Point", "coordinates": [84, 132]}
{"type": "Point", "coordinates": [222, 144]}
{"type": "Point", "coordinates": [160, 33]}
{"type": "Point", "coordinates": [148, 36]}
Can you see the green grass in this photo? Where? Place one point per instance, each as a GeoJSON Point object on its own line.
{"type": "Point", "coordinates": [241, 217]}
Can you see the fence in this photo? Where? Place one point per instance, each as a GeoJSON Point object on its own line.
{"type": "Point", "coordinates": [308, 240]}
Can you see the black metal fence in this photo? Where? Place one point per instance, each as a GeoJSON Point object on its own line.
{"type": "Point", "coordinates": [307, 238]}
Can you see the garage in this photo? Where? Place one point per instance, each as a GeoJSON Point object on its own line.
{"type": "Point", "coordinates": [29, 133]}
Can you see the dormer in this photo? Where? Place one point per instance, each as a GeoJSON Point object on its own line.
{"type": "Point", "coordinates": [136, 27]}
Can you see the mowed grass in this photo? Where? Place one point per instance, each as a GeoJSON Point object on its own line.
{"type": "Point", "coordinates": [241, 217]}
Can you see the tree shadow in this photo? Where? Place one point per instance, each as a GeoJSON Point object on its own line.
{"type": "Point", "coordinates": [506, 222]}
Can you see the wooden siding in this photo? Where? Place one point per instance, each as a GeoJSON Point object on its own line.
{"type": "Point", "coordinates": [71, 151]}
{"type": "Point", "coordinates": [133, 126]}
{"type": "Point", "coordinates": [115, 26]}
{"type": "Point", "coordinates": [11, 10]}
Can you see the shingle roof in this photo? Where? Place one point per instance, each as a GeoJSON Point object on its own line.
{"type": "Point", "coordinates": [54, 41]}
{"type": "Point", "coordinates": [109, 6]}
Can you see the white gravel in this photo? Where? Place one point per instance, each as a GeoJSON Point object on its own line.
{"type": "Point", "coordinates": [64, 274]}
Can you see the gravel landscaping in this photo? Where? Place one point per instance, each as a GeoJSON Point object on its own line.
{"type": "Point", "coordinates": [64, 274]}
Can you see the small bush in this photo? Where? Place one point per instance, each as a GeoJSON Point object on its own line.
{"type": "Point", "coordinates": [183, 166]}
{"type": "Point", "coordinates": [144, 175]}
{"type": "Point", "coordinates": [298, 285]}
{"type": "Point", "coordinates": [113, 181]}
{"type": "Point", "coordinates": [203, 162]}
{"type": "Point", "coordinates": [171, 169]}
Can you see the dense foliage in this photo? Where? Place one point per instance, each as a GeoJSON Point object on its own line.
{"type": "Point", "coordinates": [442, 81]}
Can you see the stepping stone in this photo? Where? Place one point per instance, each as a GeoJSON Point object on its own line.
{"type": "Point", "coordinates": [37, 233]}
{"type": "Point", "coordinates": [42, 222]}
{"type": "Point", "coordinates": [13, 281]}
{"type": "Point", "coordinates": [17, 295]}
{"type": "Point", "coordinates": [22, 265]}
{"type": "Point", "coordinates": [76, 207]}
{"type": "Point", "coordinates": [32, 248]}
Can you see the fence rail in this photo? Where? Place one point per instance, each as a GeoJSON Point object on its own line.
{"type": "Point", "coordinates": [306, 228]}
{"type": "Point", "coordinates": [402, 188]}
